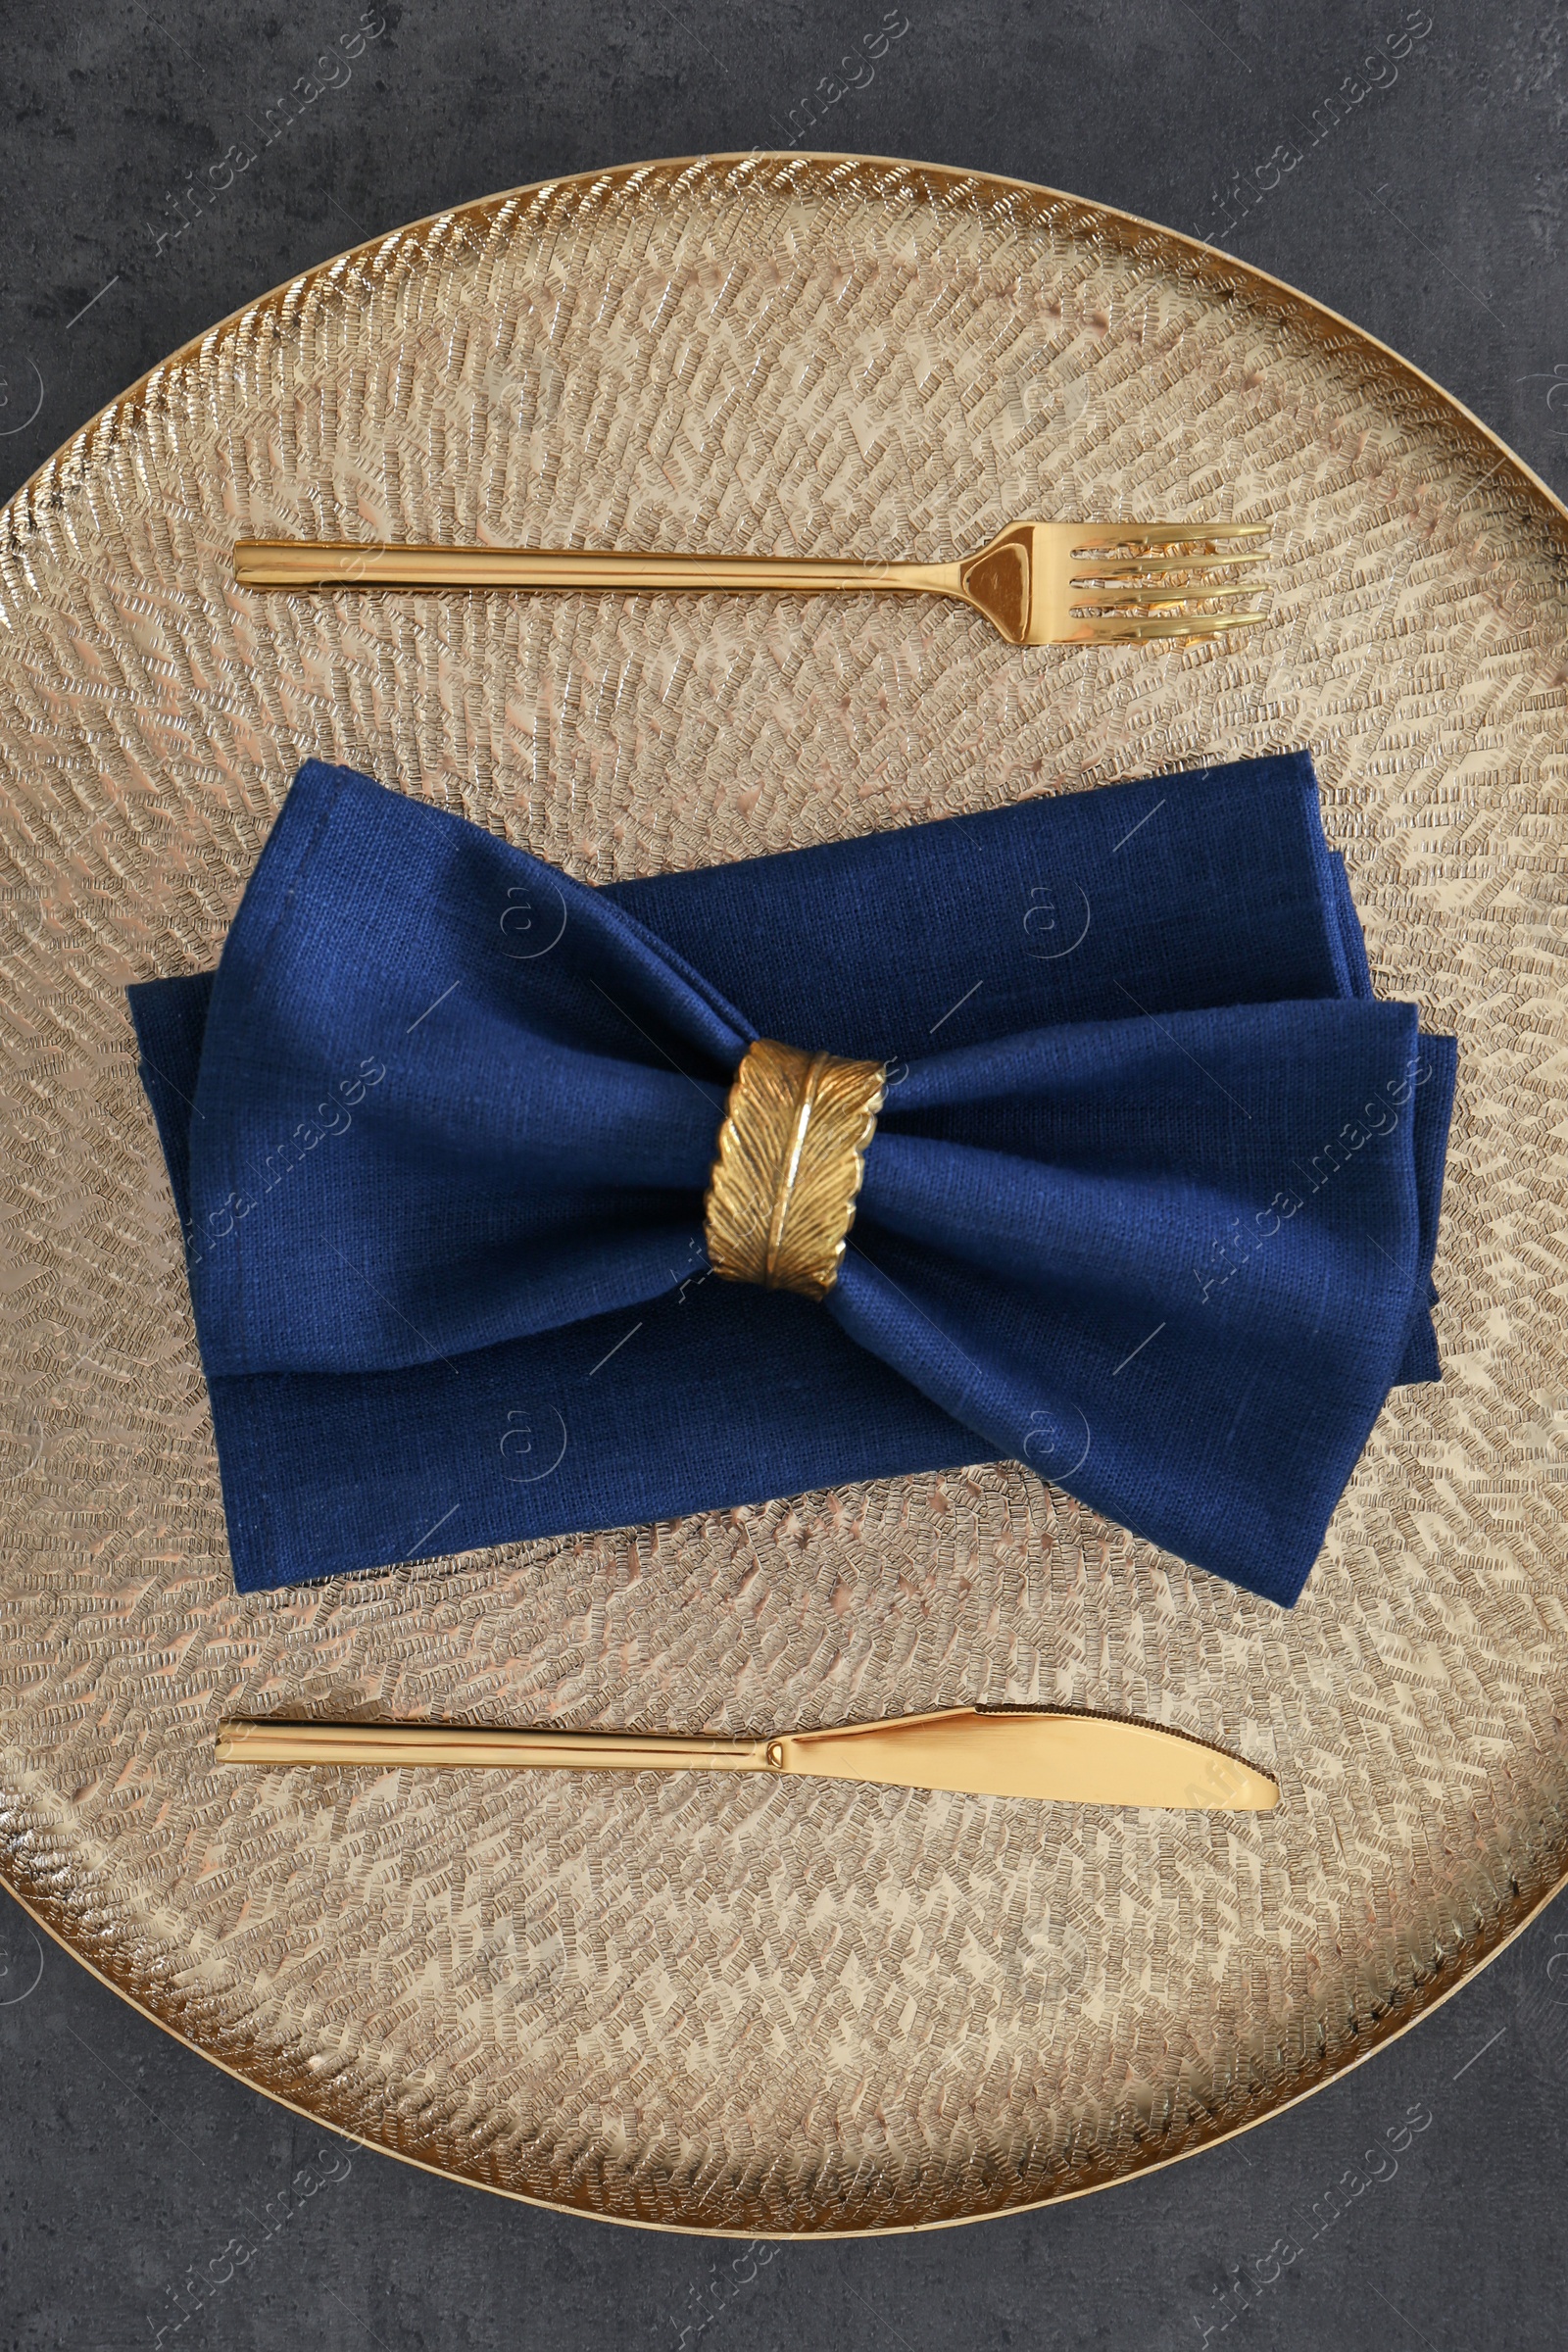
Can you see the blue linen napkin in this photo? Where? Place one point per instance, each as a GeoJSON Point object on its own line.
{"type": "Point", "coordinates": [1151, 1206]}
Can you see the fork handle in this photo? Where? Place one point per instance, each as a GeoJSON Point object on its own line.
{"type": "Point", "coordinates": [328, 564]}
{"type": "Point", "coordinates": [271, 1742]}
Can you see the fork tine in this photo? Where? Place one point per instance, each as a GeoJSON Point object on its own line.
{"type": "Point", "coordinates": [1090, 536]}
{"type": "Point", "coordinates": [1113, 600]}
{"type": "Point", "coordinates": [1149, 567]}
{"type": "Point", "coordinates": [1111, 631]}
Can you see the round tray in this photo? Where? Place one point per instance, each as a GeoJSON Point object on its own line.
{"type": "Point", "coordinates": [746, 2007]}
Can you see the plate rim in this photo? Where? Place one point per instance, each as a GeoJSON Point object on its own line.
{"type": "Point", "coordinates": [15, 516]}
{"type": "Point", "coordinates": [615, 175]}
{"type": "Point", "coordinates": [795, 2237]}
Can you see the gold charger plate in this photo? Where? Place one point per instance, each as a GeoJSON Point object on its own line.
{"type": "Point", "coordinates": [750, 2007]}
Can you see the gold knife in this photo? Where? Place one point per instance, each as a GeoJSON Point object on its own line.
{"type": "Point", "coordinates": [1012, 1751]}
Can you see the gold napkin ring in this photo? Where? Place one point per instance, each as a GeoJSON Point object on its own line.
{"type": "Point", "coordinates": [791, 1156]}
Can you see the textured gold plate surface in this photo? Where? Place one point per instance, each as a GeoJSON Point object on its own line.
{"type": "Point", "coordinates": [741, 2004]}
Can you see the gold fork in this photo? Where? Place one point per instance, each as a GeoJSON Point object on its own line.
{"type": "Point", "coordinates": [1037, 583]}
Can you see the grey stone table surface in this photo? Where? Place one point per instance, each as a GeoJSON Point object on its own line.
{"type": "Point", "coordinates": [132, 2172]}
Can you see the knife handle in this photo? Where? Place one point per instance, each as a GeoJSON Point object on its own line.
{"type": "Point", "coordinates": [272, 1742]}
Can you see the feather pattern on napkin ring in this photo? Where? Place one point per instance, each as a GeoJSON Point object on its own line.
{"type": "Point", "coordinates": [791, 1159]}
